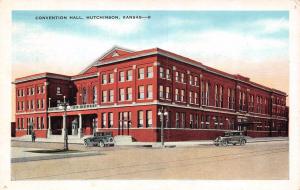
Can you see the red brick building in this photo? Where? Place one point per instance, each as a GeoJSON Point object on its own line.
{"type": "Point", "coordinates": [123, 91]}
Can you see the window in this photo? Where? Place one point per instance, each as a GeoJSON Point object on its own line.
{"type": "Point", "coordinates": [121, 94]}
{"type": "Point", "coordinates": [32, 91]}
{"type": "Point", "coordinates": [168, 93]}
{"type": "Point", "coordinates": [110, 120]}
{"type": "Point", "coordinates": [221, 96]}
{"type": "Point", "coordinates": [111, 95]}
{"type": "Point", "coordinates": [183, 120]}
{"type": "Point", "coordinates": [104, 79]}
{"type": "Point", "coordinates": [141, 94]}
{"type": "Point", "coordinates": [191, 121]}
{"type": "Point", "coordinates": [196, 81]}
{"type": "Point", "coordinates": [196, 98]}
{"type": "Point", "coordinates": [177, 76]}
{"type": "Point", "coordinates": [161, 91]}
{"type": "Point", "coordinates": [207, 121]}
{"type": "Point", "coordinates": [149, 92]}
{"type": "Point", "coordinates": [177, 120]}
{"type": "Point", "coordinates": [190, 97]}
{"type": "Point", "coordinates": [149, 72]}
{"type": "Point", "coordinates": [149, 118]}
{"type": "Point", "coordinates": [84, 96]}
{"type": "Point", "coordinates": [182, 78]}
{"type": "Point", "coordinates": [104, 96]}
{"type": "Point", "coordinates": [38, 90]}
{"type": "Point", "coordinates": [58, 91]}
{"type": "Point", "coordinates": [95, 95]}
{"type": "Point", "coordinates": [103, 124]}
{"type": "Point", "coordinates": [168, 76]}
{"type": "Point", "coordinates": [129, 75]}
{"type": "Point", "coordinates": [161, 72]}
{"type": "Point", "coordinates": [207, 86]}
{"type": "Point", "coordinates": [140, 119]}
{"type": "Point", "coordinates": [176, 94]}
{"type": "Point", "coordinates": [216, 96]}
{"type": "Point", "coordinates": [191, 80]}
{"type": "Point", "coordinates": [37, 104]}
{"type": "Point", "coordinates": [183, 95]}
{"type": "Point", "coordinates": [43, 89]}
{"type": "Point", "coordinates": [43, 103]}
{"type": "Point", "coordinates": [122, 76]}
{"type": "Point", "coordinates": [197, 121]}
{"type": "Point", "coordinates": [141, 73]}
{"type": "Point", "coordinates": [129, 94]}
{"type": "Point", "coordinates": [111, 78]}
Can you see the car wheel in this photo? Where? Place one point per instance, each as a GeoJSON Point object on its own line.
{"type": "Point", "coordinates": [225, 143]}
{"type": "Point", "coordinates": [234, 144]}
{"type": "Point", "coordinates": [101, 144]}
{"type": "Point", "coordinates": [85, 143]}
{"type": "Point", "coordinates": [243, 142]}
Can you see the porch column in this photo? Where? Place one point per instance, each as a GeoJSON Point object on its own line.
{"type": "Point", "coordinates": [80, 134]}
{"type": "Point", "coordinates": [49, 132]}
{"type": "Point", "coordinates": [64, 126]}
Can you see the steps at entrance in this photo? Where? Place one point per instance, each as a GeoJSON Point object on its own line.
{"type": "Point", "coordinates": [123, 139]}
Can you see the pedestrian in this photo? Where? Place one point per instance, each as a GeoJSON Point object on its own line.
{"type": "Point", "coordinates": [33, 136]}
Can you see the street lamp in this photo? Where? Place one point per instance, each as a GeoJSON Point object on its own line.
{"type": "Point", "coordinates": [64, 106]}
{"type": "Point", "coordinates": [49, 103]}
{"type": "Point", "coordinates": [162, 113]}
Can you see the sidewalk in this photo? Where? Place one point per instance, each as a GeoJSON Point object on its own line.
{"type": "Point", "coordinates": [150, 144]}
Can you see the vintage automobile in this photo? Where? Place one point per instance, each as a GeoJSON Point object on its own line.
{"type": "Point", "coordinates": [100, 139]}
{"type": "Point", "coordinates": [231, 137]}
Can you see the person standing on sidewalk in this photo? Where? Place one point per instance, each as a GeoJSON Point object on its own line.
{"type": "Point", "coordinates": [33, 136]}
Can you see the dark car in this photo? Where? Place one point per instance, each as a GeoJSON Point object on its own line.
{"type": "Point", "coordinates": [231, 137]}
{"type": "Point", "coordinates": [100, 139]}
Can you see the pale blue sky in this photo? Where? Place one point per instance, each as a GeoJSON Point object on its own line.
{"type": "Point", "coordinates": [245, 42]}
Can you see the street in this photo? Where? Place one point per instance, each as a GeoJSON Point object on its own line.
{"type": "Point", "coordinates": [263, 160]}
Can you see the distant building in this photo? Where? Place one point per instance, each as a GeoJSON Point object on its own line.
{"type": "Point", "coordinates": [123, 91]}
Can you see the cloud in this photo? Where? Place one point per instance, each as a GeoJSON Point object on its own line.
{"type": "Point", "coordinates": [272, 25]}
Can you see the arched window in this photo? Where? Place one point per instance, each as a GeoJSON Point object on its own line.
{"type": "Point", "coordinates": [95, 94]}
{"type": "Point", "coordinates": [84, 96]}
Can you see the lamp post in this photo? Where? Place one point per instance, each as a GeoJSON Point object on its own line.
{"type": "Point", "coordinates": [64, 106]}
{"type": "Point", "coordinates": [49, 103]}
{"type": "Point", "coordinates": [162, 113]}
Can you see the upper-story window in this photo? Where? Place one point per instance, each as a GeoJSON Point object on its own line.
{"type": "Point", "coordinates": [129, 75]}
{"type": "Point", "coordinates": [95, 95]}
{"type": "Point", "coordinates": [84, 96]}
{"type": "Point", "coordinates": [122, 94]}
{"type": "Point", "coordinates": [141, 73]}
{"type": "Point", "coordinates": [177, 76]}
{"type": "Point", "coordinates": [182, 95]}
{"type": "Point", "coordinates": [161, 91]}
{"type": "Point", "coordinates": [141, 94]}
{"type": "Point", "coordinates": [149, 72]}
{"type": "Point", "coordinates": [161, 72]}
{"type": "Point", "coordinates": [168, 93]}
{"type": "Point", "coordinates": [196, 81]}
{"type": "Point", "coordinates": [191, 80]}
{"type": "Point", "coordinates": [122, 76]}
{"type": "Point", "coordinates": [176, 94]}
{"type": "Point", "coordinates": [196, 98]}
{"type": "Point", "coordinates": [149, 91]}
{"type": "Point", "coordinates": [191, 97]}
{"type": "Point", "coordinates": [104, 79]}
{"type": "Point", "coordinates": [111, 78]}
{"type": "Point", "coordinates": [182, 78]}
{"type": "Point", "coordinates": [129, 93]}
{"type": "Point", "coordinates": [58, 90]}
{"type": "Point", "coordinates": [104, 96]}
{"type": "Point", "coordinates": [111, 95]}
{"type": "Point", "coordinates": [168, 75]}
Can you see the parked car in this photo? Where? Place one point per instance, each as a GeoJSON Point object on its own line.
{"type": "Point", "coordinates": [100, 139]}
{"type": "Point", "coordinates": [231, 137]}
